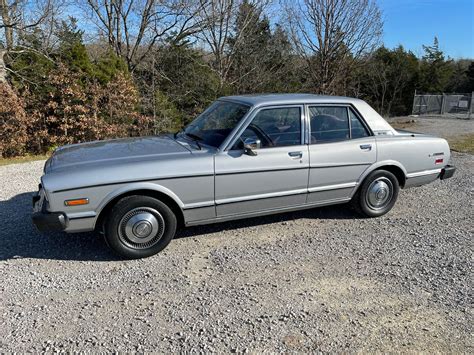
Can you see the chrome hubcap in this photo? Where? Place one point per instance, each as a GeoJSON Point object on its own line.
{"type": "Point", "coordinates": [379, 193]}
{"type": "Point", "coordinates": [141, 228]}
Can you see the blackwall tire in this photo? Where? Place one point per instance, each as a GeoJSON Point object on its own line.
{"type": "Point", "coordinates": [377, 194]}
{"type": "Point", "coordinates": [139, 227]}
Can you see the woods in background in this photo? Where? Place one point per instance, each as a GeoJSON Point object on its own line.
{"type": "Point", "coordinates": [99, 69]}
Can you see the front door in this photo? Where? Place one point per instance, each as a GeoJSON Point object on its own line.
{"type": "Point", "coordinates": [273, 176]}
{"type": "Point", "coordinates": [341, 149]}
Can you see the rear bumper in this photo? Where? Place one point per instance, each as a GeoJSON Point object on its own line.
{"type": "Point", "coordinates": [45, 220]}
{"type": "Point", "coordinates": [447, 172]}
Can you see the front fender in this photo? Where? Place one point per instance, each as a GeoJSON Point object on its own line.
{"type": "Point", "coordinates": [136, 187]}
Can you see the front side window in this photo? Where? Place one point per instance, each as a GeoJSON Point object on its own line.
{"type": "Point", "coordinates": [214, 125]}
{"type": "Point", "coordinates": [329, 124]}
{"type": "Point", "coordinates": [276, 127]}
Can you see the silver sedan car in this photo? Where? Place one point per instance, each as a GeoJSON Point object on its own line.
{"type": "Point", "coordinates": [245, 156]}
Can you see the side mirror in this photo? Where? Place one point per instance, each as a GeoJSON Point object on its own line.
{"type": "Point", "coordinates": [250, 144]}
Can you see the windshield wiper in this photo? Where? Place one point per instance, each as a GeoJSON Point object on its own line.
{"type": "Point", "coordinates": [195, 138]}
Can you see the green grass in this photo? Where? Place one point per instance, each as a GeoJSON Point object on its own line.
{"type": "Point", "coordinates": [463, 143]}
{"type": "Point", "coordinates": [25, 159]}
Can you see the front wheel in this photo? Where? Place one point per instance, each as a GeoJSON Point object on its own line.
{"type": "Point", "coordinates": [377, 194]}
{"type": "Point", "coordinates": [139, 226]}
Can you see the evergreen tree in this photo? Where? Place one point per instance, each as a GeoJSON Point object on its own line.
{"type": "Point", "coordinates": [250, 45]}
{"type": "Point", "coordinates": [470, 77]}
{"type": "Point", "coordinates": [435, 69]}
{"type": "Point", "coordinates": [72, 52]}
{"type": "Point", "coordinates": [459, 79]}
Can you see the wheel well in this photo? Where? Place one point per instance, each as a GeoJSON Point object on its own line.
{"type": "Point", "coordinates": [395, 170]}
{"type": "Point", "coordinates": [151, 193]}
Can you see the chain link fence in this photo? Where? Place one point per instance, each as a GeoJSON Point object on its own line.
{"type": "Point", "coordinates": [450, 105]}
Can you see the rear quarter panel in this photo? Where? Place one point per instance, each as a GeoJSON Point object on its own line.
{"type": "Point", "coordinates": [416, 153]}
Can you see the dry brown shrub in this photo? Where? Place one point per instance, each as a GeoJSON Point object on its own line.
{"type": "Point", "coordinates": [13, 123]}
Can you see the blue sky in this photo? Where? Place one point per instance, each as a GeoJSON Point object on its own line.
{"type": "Point", "coordinates": [413, 23]}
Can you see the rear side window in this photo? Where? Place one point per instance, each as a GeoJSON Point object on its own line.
{"type": "Point", "coordinates": [358, 129]}
{"type": "Point", "coordinates": [334, 124]}
{"type": "Point", "coordinates": [329, 124]}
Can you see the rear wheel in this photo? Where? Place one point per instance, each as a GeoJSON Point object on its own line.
{"type": "Point", "coordinates": [139, 226]}
{"type": "Point", "coordinates": [377, 194]}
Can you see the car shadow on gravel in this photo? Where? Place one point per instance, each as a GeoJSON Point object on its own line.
{"type": "Point", "coordinates": [20, 239]}
{"type": "Point", "coordinates": [328, 212]}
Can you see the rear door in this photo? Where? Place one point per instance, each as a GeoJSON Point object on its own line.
{"type": "Point", "coordinates": [276, 177]}
{"type": "Point", "coordinates": [341, 148]}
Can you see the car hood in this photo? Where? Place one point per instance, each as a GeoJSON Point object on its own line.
{"type": "Point", "coordinates": [106, 152]}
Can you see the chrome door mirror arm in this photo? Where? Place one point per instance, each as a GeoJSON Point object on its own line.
{"type": "Point", "coordinates": [250, 145]}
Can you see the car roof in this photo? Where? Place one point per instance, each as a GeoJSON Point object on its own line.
{"type": "Point", "coordinates": [285, 99]}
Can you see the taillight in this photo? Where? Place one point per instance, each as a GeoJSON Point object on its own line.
{"type": "Point", "coordinates": [439, 161]}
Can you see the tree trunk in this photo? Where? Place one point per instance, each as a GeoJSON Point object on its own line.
{"type": "Point", "coordinates": [7, 23]}
{"type": "Point", "coordinates": [3, 68]}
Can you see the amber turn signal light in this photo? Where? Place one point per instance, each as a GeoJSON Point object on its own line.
{"type": "Point", "coordinates": [77, 202]}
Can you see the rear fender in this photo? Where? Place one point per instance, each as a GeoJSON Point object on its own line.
{"type": "Point", "coordinates": [376, 166]}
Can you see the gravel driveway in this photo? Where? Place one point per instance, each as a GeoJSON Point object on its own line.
{"type": "Point", "coordinates": [322, 279]}
{"type": "Point", "coordinates": [437, 125]}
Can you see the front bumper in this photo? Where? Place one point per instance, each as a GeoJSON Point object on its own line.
{"type": "Point", "coordinates": [447, 172]}
{"type": "Point", "coordinates": [45, 220]}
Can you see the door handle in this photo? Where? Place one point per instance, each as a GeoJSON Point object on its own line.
{"type": "Point", "coordinates": [366, 146]}
{"type": "Point", "coordinates": [297, 155]}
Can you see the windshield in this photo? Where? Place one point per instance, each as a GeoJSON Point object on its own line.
{"type": "Point", "coordinates": [214, 125]}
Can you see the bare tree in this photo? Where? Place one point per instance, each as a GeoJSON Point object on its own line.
{"type": "Point", "coordinates": [331, 35]}
{"type": "Point", "coordinates": [217, 20]}
{"type": "Point", "coordinates": [19, 18]}
{"type": "Point", "coordinates": [134, 27]}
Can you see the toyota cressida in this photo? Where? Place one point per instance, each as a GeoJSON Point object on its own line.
{"type": "Point", "coordinates": [244, 156]}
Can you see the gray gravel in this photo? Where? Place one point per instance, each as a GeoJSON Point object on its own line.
{"type": "Point", "coordinates": [321, 279]}
{"type": "Point", "coordinates": [440, 126]}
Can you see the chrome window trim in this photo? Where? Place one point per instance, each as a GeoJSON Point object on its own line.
{"type": "Point", "coordinates": [240, 128]}
{"type": "Point", "coordinates": [361, 120]}
{"type": "Point", "coordinates": [307, 132]}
